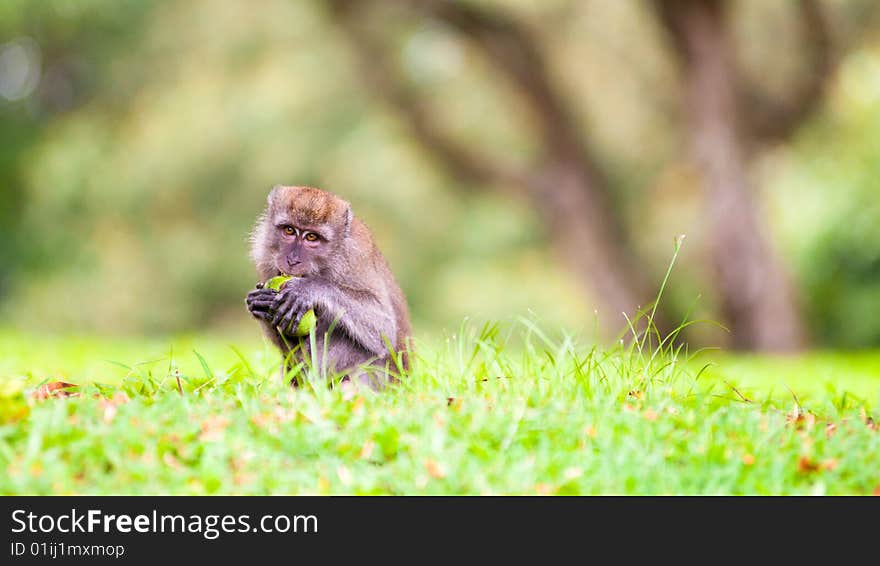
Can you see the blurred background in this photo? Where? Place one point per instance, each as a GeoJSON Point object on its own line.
{"type": "Point", "coordinates": [514, 158]}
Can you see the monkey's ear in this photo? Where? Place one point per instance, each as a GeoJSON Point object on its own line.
{"type": "Point", "coordinates": [273, 194]}
{"type": "Point", "coordinates": [349, 216]}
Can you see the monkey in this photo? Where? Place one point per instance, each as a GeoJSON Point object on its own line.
{"type": "Point", "coordinates": [338, 270]}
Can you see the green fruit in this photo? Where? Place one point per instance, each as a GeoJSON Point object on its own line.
{"type": "Point", "coordinates": [276, 282]}
{"type": "Point", "coordinates": [308, 321]}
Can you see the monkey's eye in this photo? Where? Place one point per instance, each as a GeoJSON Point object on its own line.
{"type": "Point", "coordinates": [289, 230]}
{"type": "Point", "coordinates": [311, 237]}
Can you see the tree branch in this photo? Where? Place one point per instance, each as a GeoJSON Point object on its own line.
{"type": "Point", "coordinates": [509, 45]}
{"type": "Point", "coordinates": [379, 71]}
{"type": "Point", "coordinates": [676, 16]}
{"type": "Point", "coordinates": [772, 120]}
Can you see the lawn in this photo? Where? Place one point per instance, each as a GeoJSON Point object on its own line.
{"type": "Point", "coordinates": [487, 410]}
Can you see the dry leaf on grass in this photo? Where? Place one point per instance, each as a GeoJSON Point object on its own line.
{"type": "Point", "coordinates": [212, 428]}
{"type": "Point", "coordinates": [170, 461]}
{"type": "Point", "coordinates": [108, 407]}
{"type": "Point", "coordinates": [367, 449]}
{"type": "Point", "coordinates": [806, 465]}
{"type": "Point", "coordinates": [344, 475]}
{"type": "Point", "coordinates": [572, 473]}
{"type": "Point", "coordinates": [830, 429]}
{"type": "Point", "coordinates": [435, 469]}
{"type": "Point", "coordinates": [869, 420]}
{"type": "Point", "coordinates": [55, 389]}
{"type": "Point", "coordinates": [800, 418]}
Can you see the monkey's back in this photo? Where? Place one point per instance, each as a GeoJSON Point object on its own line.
{"type": "Point", "coordinates": [401, 317]}
{"type": "Point", "coordinates": [393, 292]}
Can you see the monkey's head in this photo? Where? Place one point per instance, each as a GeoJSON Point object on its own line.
{"type": "Point", "coordinates": [300, 231]}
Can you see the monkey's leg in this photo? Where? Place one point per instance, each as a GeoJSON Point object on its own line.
{"type": "Point", "coordinates": [293, 365]}
{"type": "Point", "coordinates": [291, 374]}
{"type": "Point", "coordinates": [376, 374]}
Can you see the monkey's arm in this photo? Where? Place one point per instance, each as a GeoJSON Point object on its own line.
{"type": "Point", "coordinates": [360, 314]}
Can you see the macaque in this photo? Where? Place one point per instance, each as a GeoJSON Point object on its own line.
{"type": "Point", "coordinates": [363, 326]}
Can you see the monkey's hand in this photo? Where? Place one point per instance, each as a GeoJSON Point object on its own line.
{"type": "Point", "coordinates": [361, 315]}
{"type": "Point", "coordinates": [261, 302]}
{"type": "Point", "coordinates": [290, 304]}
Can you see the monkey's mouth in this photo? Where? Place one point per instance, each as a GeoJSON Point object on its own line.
{"type": "Point", "coordinates": [295, 273]}
{"type": "Point", "coordinates": [299, 270]}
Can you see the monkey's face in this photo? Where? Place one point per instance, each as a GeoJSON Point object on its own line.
{"type": "Point", "coordinates": [306, 226]}
{"type": "Point", "coordinates": [300, 249]}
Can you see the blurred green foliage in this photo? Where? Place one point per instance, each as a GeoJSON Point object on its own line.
{"type": "Point", "coordinates": [826, 196]}
{"type": "Point", "coordinates": [132, 173]}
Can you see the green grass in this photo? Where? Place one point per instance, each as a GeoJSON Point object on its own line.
{"type": "Point", "coordinates": [488, 410]}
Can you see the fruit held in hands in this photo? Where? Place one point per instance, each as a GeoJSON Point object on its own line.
{"type": "Point", "coordinates": [308, 321]}
{"type": "Point", "coordinates": [276, 282]}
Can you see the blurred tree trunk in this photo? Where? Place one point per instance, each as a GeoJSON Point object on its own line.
{"type": "Point", "coordinates": [728, 122]}
{"type": "Point", "coordinates": [564, 185]}
{"type": "Point", "coordinates": [588, 238]}
{"type": "Point", "coordinates": [758, 300]}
